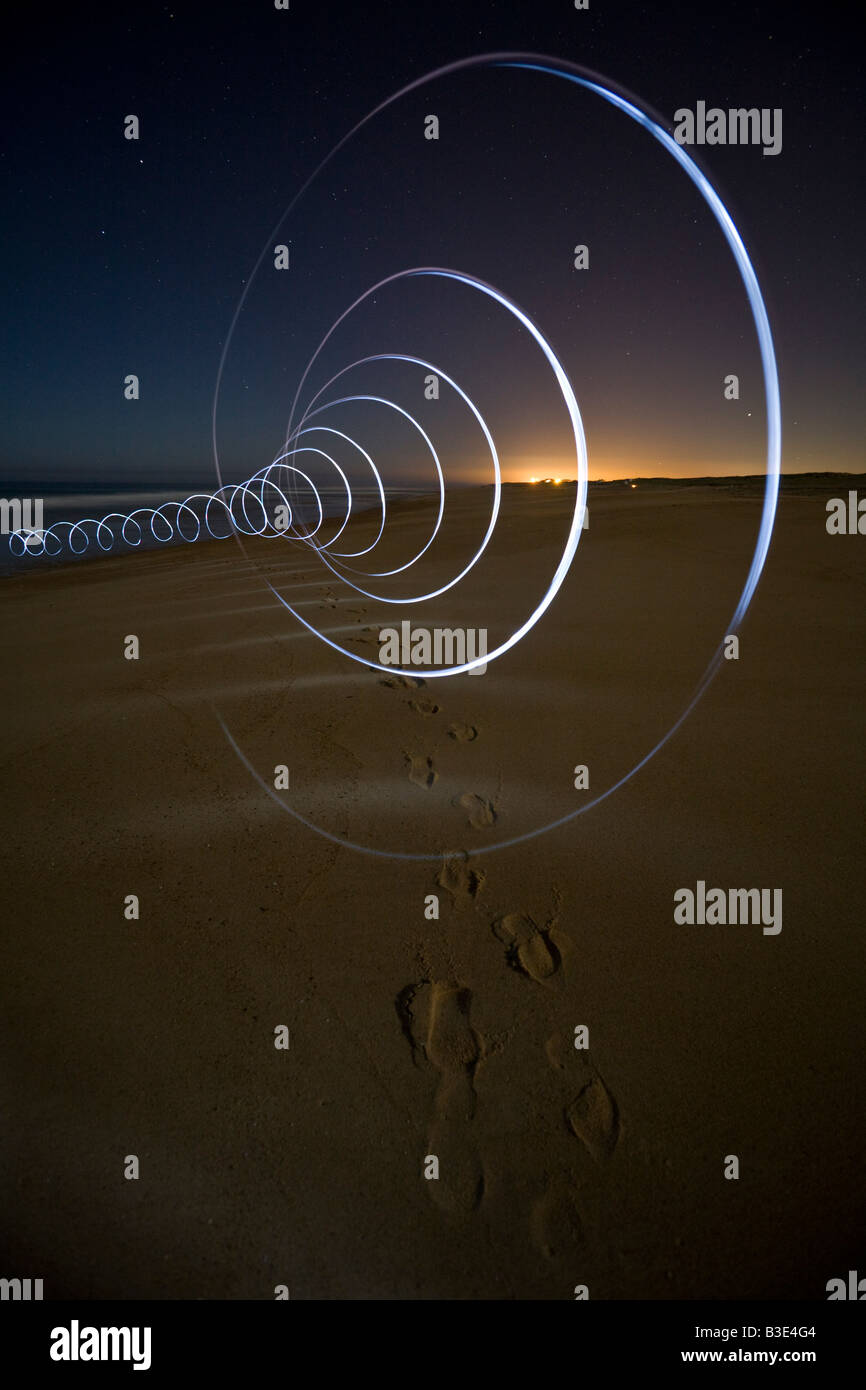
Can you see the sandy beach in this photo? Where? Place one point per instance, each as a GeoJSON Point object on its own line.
{"type": "Point", "coordinates": [414, 1035]}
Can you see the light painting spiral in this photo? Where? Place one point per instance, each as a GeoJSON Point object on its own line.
{"type": "Point", "coordinates": [248, 509]}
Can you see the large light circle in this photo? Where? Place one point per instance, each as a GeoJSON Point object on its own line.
{"type": "Point", "coordinates": [631, 107]}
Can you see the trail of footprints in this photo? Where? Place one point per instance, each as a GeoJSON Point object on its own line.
{"type": "Point", "coordinates": [436, 1017]}
{"type": "Point", "coordinates": [481, 812]}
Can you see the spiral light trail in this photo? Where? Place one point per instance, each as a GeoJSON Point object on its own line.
{"type": "Point", "coordinates": [245, 509]}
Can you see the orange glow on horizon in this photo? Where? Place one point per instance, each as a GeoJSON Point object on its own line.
{"type": "Point", "coordinates": [629, 470]}
{"type": "Point", "coordinates": [627, 467]}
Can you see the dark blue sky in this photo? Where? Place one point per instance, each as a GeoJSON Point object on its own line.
{"type": "Point", "coordinates": [130, 256]}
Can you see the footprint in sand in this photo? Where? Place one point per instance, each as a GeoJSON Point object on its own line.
{"type": "Point", "coordinates": [463, 733]}
{"type": "Point", "coordinates": [461, 883]}
{"type": "Point", "coordinates": [402, 683]}
{"type": "Point", "coordinates": [435, 1019]}
{"type": "Point", "coordinates": [591, 1115]}
{"type": "Point", "coordinates": [591, 1112]}
{"type": "Point", "coordinates": [425, 707]}
{"type": "Point", "coordinates": [594, 1118]}
{"type": "Point", "coordinates": [529, 949]}
{"type": "Point", "coordinates": [588, 1110]}
{"type": "Point", "coordinates": [367, 637]}
{"type": "Point", "coordinates": [421, 769]}
{"type": "Point", "coordinates": [482, 813]}
{"type": "Point", "coordinates": [555, 1220]}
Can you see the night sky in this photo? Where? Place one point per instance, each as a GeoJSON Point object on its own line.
{"type": "Point", "coordinates": [130, 256]}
